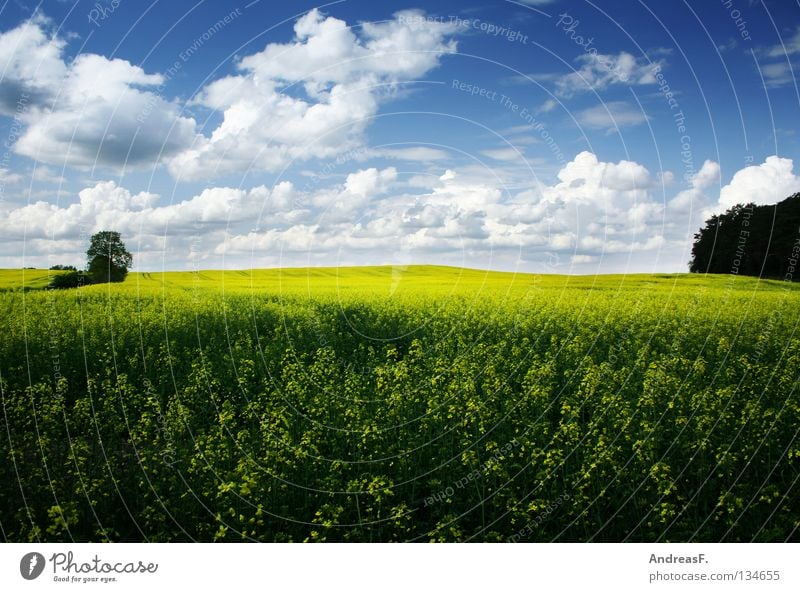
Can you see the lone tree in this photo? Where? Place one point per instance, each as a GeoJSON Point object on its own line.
{"type": "Point", "coordinates": [108, 259]}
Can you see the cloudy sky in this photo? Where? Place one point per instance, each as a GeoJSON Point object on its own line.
{"type": "Point", "coordinates": [538, 135]}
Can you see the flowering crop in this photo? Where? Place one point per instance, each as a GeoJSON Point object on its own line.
{"type": "Point", "coordinates": [421, 404]}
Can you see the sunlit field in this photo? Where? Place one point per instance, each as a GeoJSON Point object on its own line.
{"type": "Point", "coordinates": [31, 279]}
{"type": "Point", "coordinates": [399, 404]}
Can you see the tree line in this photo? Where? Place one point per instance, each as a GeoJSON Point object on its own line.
{"type": "Point", "coordinates": [749, 239]}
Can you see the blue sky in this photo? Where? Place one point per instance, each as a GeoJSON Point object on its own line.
{"type": "Point", "coordinates": [544, 136]}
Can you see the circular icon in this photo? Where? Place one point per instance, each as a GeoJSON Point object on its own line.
{"type": "Point", "coordinates": [31, 565]}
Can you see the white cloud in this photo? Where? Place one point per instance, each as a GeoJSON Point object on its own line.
{"type": "Point", "coordinates": [780, 73]}
{"type": "Point", "coordinates": [326, 51]}
{"type": "Point", "coordinates": [593, 208]}
{"type": "Point", "coordinates": [344, 76]}
{"type": "Point", "coordinates": [788, 47]}
{"type": "Point", "coordinates": [547, 106]}
{"type": "Point", "coordinates": [8, 177]}
{"type": "Point", "coordinates": [310, 98]}
{"type": "Point", "coordinates": [605, 206]}
{"type": "Point", "coordinates": [523, 140]}
{"type": "Point", "coordinates": [295, 239]}
{"type": "Point", "coordinates": [585, 174]}
{"type": "Point", "coordinates": [599, 71]}
{"type": "Point", "coordinates": [667, 178]}
{"type": "Point", "coordinates": [696, 196]}
{"type": "Point", "coordinates": [579, 259]}
{"type": "Point", "coordinates": [610, 116]}
{"type": "Point", "coordinates": [767, 183]}
{"type": "Point", "coordinates": [107, 205]}
{"type": "Point", "coordinates": [43, 174]}
{"type": "Point", "coordinates": [370, 182]}
{"type": "Point", "coordinates": [93, 110]}
{"type": "Point", "coordinates": [413, 153]}
{"type": "Point", "coordinates": [359, 189]}
{"type": "Point", "coordinates": [706, 176]}
{"type": "Point", "coordinates": [504, 154]}
{"type": "Point", "coordinates": [31, 67]}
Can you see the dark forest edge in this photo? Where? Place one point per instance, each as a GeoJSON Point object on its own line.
{"type": "Point", "coordinates": [749, 239]}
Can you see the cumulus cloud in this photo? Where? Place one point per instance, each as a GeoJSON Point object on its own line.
{"type": "Point", "coordinates": [593, 207]}
{"type": "Point", "coordinates": [599, 71]}
{"type": "Point", "coordinates": [376, 215]}
{"type": "Point", "coordinates": [767, 183]}
{"type": "Point", "coordinates": [343, 74]}
{"type": "Point", "coordinates": [359, 190]}
{"type": "Point", "coordinates": [310, 98]}
{"type": "Point", "coordinates": [585, 175]}
{"type": "Point", "coordinates": [108, 205]}
{"type": "Point", "coordinates": [390, 221]}
{"type": "Point", "coordinates": [696, 196]}
{"type": "Point", "coordinates": [667, 178]}
{"type": "Point", "coordinates": [31, 66]}
{"type": "Point", "coordinates": [92, 110]}
{"type": "Point", "coordinates": [370, 182]}
{"type": "Point", "coordinates": [606, 205]}
{"type": "Point", "coordinates": [327, 51]}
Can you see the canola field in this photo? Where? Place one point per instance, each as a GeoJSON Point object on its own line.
{"type": "Point", "coordinates": [396, 403]}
